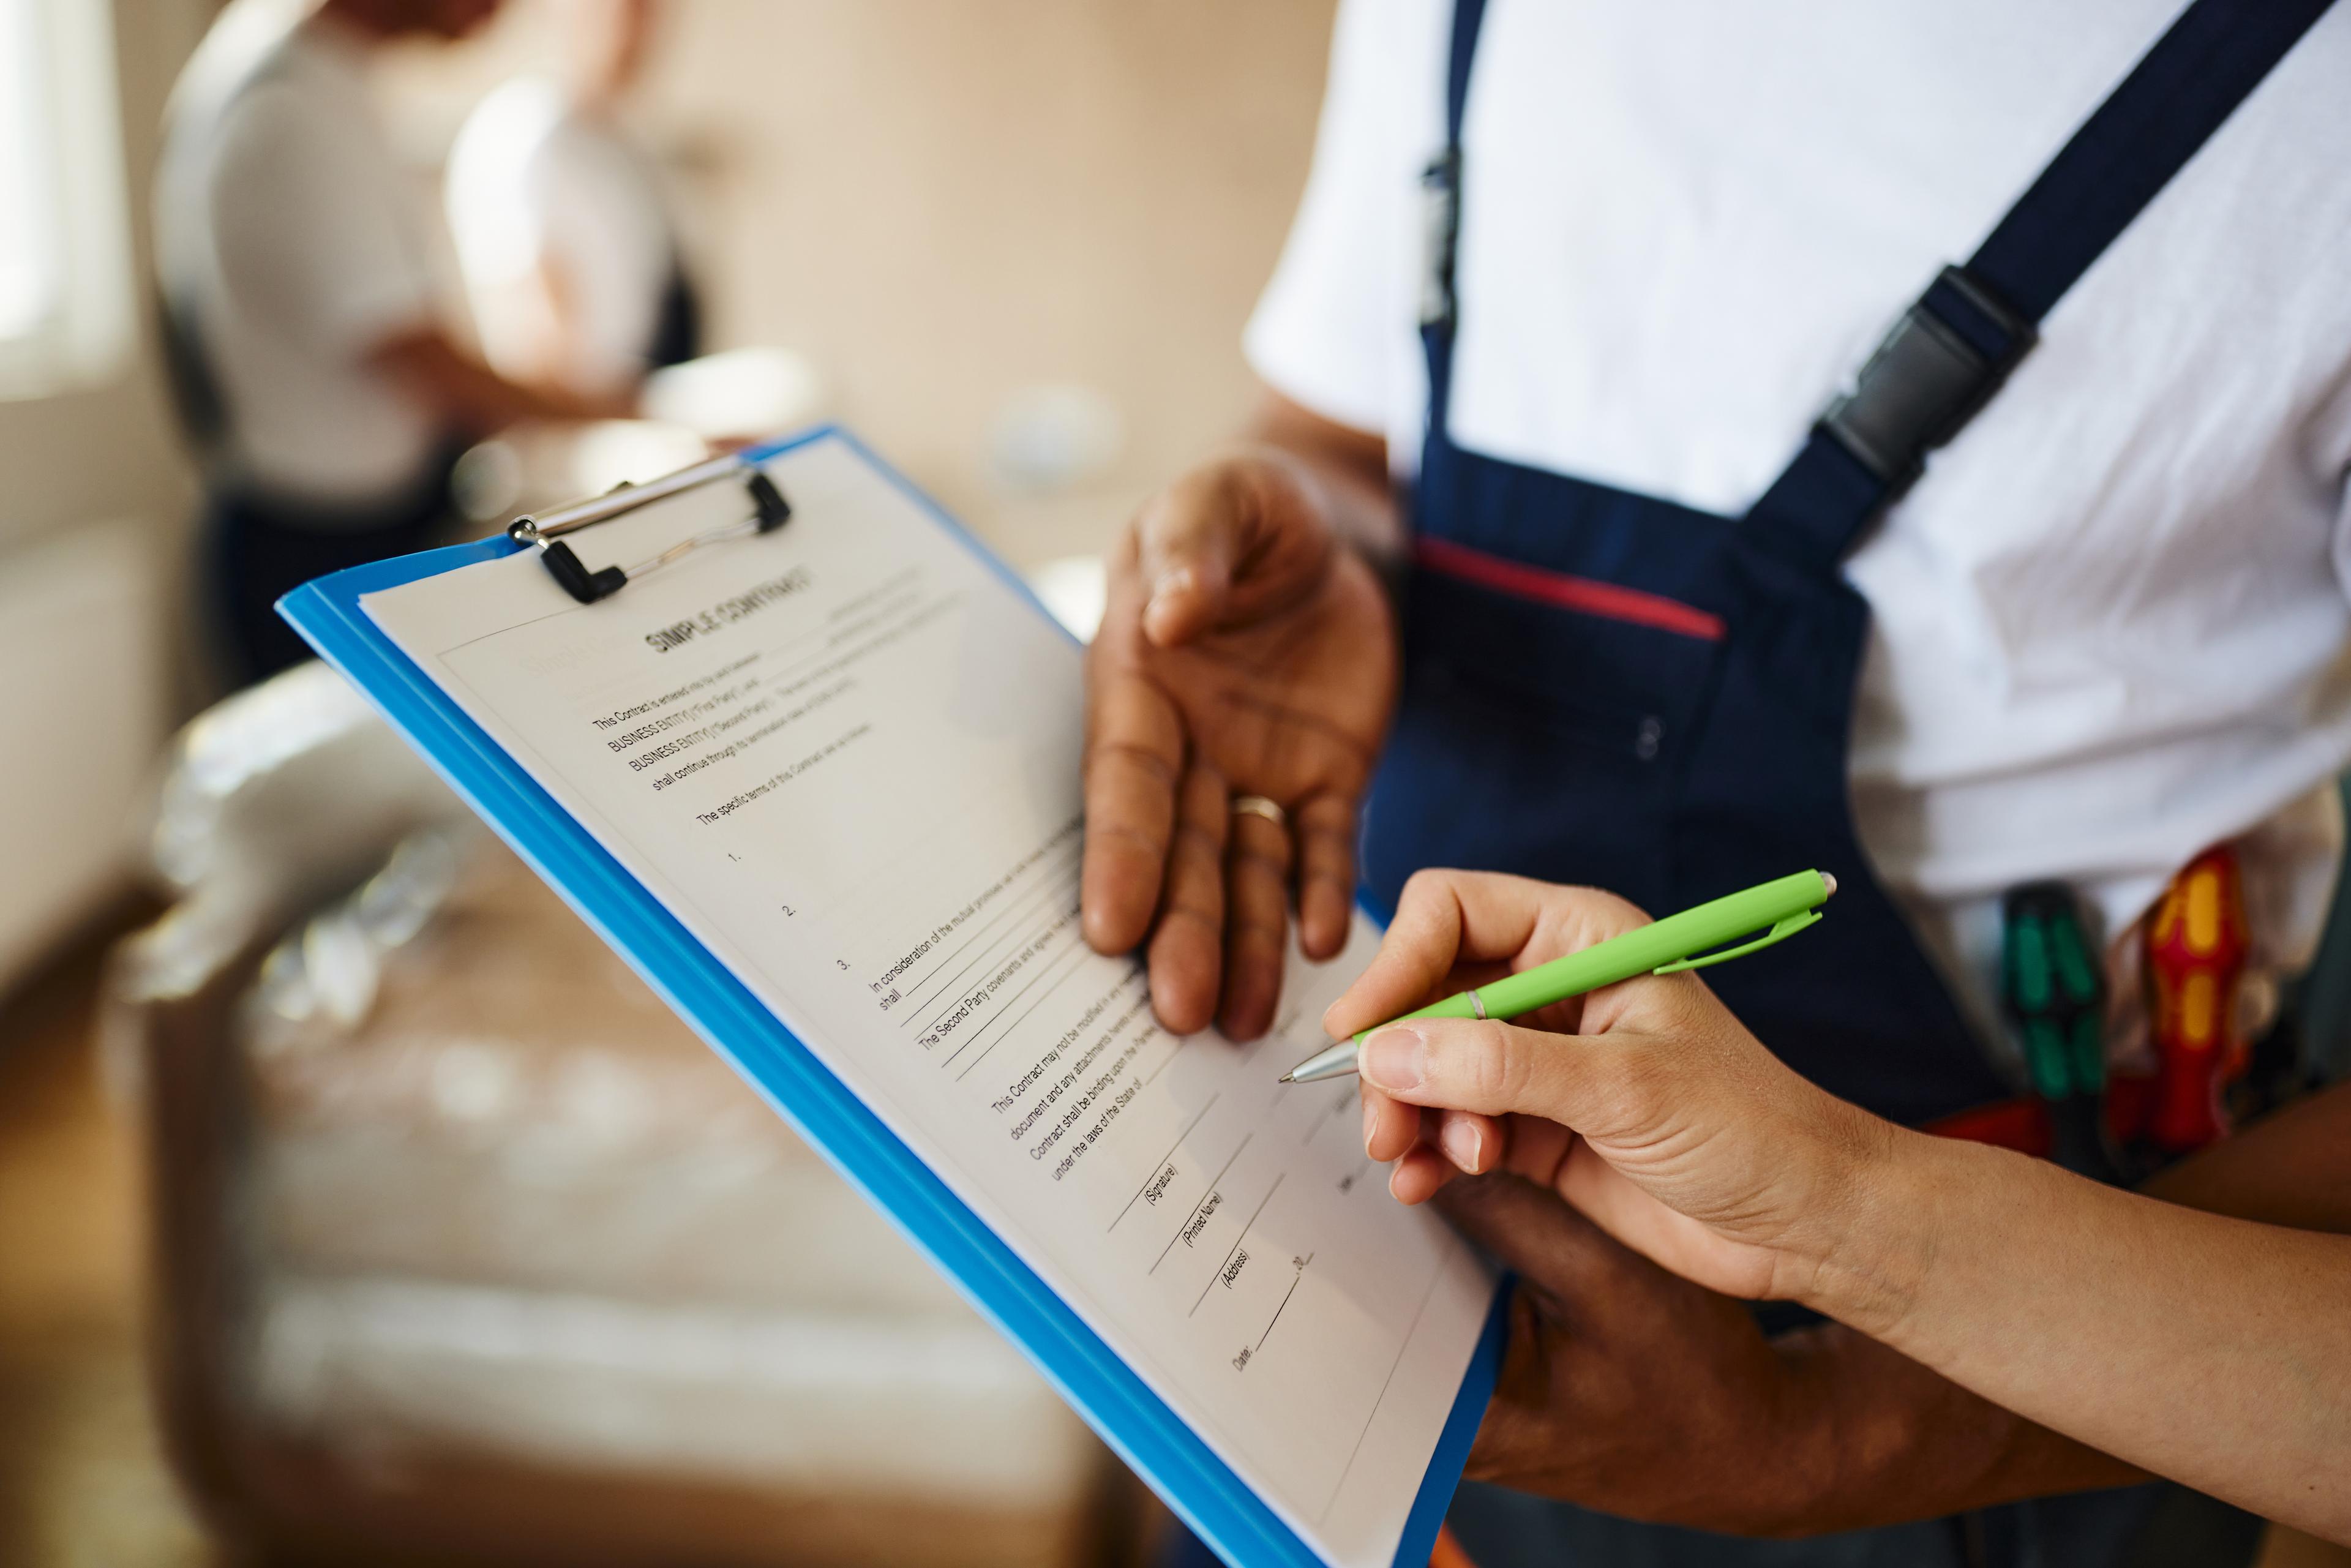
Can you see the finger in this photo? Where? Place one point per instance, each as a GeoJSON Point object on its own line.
{"type": "Point", "coordinates": [1186, 955]}
{"type": "Point", "coordinates": [1445, 918]}
{"type": "Point", "coordinates": [1472, 1144]}
{"type": "Point", "coordinates": [1421, 1176]}
{"type": "Point", "coordinates": [1534, 1147]}
{"type": "Point", "coordinates": [1460, 1144]}
{"type": "Point", "coordinates": [1256, 923]}
{"type": "Point", "coordinates": [1492, 1067]}
{"type": "Point", "coordinates": [1431, 933]}
{"type": "Point", "coordinates": [1134, 754]}
{"type": "Point", "coordinates": [1185, 543]}
{"type": "Point", "coordinates": [1390, 1126]}
{"type": "Point", "coordinates": [1326, 872]}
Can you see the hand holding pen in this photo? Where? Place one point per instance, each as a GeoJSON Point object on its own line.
{"type": "Point", "coordinates": [2096, 1313]}
{"type": "Point", "coordinates": [1645, 1104]}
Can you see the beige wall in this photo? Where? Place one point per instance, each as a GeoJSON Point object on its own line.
{"type": "Point", "coordinates": [943, 201]}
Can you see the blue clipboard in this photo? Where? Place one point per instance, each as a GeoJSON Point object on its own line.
{"type": "Point", "coordinates": [1198, 1485]}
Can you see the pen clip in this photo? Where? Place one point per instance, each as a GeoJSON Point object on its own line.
{"type": "Point", "coordinates": [1779, 931]}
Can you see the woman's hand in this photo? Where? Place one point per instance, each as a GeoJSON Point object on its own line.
{"type": "Point", "coordinates": [1644, 1104]}
{"type": "Point", "coordinates": [2115, 1320]}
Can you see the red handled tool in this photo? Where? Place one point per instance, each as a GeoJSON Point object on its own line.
{"type": "Point", "coordinates": [2197, 948]}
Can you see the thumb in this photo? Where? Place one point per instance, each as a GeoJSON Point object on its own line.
{"type": "Point", "coordinates": [1186, 540]}
{"type": "Point", "coordinates": [1494, 1068]}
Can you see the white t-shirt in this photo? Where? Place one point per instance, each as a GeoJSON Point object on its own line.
{"type": "Point", "coordinates": [287, 231]}
{"type": "Point", "coordinates": [540, 188]}
{"type": "Point", "coordinates": [2110, 624]}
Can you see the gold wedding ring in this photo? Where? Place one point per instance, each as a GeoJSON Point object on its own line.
{"type": "Point", "coordinates": [1259, 806]}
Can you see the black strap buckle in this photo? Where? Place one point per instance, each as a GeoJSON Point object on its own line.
{"type": "Point", "coordinates": [1440, 237]}
{"type": "Point", "coordinates": [1936, 370]}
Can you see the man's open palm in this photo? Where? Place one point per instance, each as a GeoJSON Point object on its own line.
{"type": "Point", "coordinates": [1242, 652]}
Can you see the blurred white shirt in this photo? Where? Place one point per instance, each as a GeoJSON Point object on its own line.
{"type": "Point", "coordinates": [2110, 624]}
{"type": "Point", "coordinates": [287, 234]}
{"type": "Point", "coordinates": [542, 194]}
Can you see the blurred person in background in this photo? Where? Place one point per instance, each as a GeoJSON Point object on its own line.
{"type": "Point", "coordinates": [312, 364]}
{"type": "Point", "coordinates": [567, 239]}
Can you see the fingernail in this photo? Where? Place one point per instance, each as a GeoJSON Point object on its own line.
{"type": "Point", "coordinates": [1175, 580]}
{"type": "Point", "coordinates": [1393, 1060]}
{"type": "Point", "coordinates": [1464, 1143]}
{"type": "Point", "coordinates": [1371, 1118]}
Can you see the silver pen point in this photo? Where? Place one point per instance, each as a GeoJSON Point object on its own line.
{"type": "Point", "coordinates": [1332, 1062]}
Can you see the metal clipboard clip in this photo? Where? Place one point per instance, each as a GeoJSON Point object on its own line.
{"type": "Point", "coordinates": [769, 512]}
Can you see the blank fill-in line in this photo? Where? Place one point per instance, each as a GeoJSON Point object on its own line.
{"type": "Point", "coordinates": [1024, 899]}
{"type": "Point", "coordinates": [1314, 1126]}
{"type": "Point", "coordinates": [1236, 1242]}
{"type": "Point", "coordinates": [1044, 936]}
{"type": "Point", "coordinates": [1165, 1061]}
{"type": "Point", "coordinates": [1161, 1162]}
{"type": "Point", "coordinates": [1285, 1305]}
{"type": "Point", "coordinates": [1278, 1032]}
{"type": "Point", "coordinates": [983, 939]}
{"type": "Point", "coordinates": [977, 959]}
{"type": "Point", "coordinates": [1082, 951]}
{"type": "Point", "coordinates": [1435, 1276]}
{"type": "Point", "coordinates": [1039, 1002]}
{"type": "Point", "coordinates": [1196, 1208]}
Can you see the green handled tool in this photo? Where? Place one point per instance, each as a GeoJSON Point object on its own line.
{"type": "Point", "coordinates": [2054, 993]}
{"type": "Point", "coordinates": [1778, 909]}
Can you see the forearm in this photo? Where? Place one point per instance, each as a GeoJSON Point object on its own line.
{"type": "Point", "coordinates": [471, 396]}
{"type": "Point", "coordinates": [2003, 1292]}
{"type": "Point", "coordinates": [2209, 1349]}
{"type": "Point", "coordinates": [1349, 467]}
{"type": "Point", "coordinates": [1889, 1441]}
{"type": "Point", "coordinates": [2291, 1168]}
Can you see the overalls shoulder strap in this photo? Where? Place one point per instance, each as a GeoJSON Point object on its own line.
{"type": "Point", "coordinates": [1953, 347]}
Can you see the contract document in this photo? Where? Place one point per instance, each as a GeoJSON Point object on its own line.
{"type": "Point", "coordinates": [844, 755]}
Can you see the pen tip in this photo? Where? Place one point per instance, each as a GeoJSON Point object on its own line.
{"type": "Point", "coordinates": [1287, 1078]}
{"type": "Point", "coordinates": [1830, 882]}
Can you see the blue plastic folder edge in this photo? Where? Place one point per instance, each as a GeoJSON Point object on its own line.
{"type": "Point", "coordinates": [1136, 1422]}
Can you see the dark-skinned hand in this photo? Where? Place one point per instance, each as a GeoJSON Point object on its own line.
{"type": "Point", "coordinates": [1243, 651]}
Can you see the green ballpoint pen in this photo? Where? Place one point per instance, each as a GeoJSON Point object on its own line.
{"type": "Point", "coordinates": [1778, 909]}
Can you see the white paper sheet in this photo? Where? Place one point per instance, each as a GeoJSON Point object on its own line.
{"type": "Point", "coordinates": [845, 755]}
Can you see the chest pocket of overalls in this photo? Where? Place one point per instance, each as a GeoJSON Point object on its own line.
{"type": "Point", "coordinates": [1544, 719]}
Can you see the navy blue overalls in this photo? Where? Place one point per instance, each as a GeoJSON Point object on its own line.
{"type": "Point", "coordinates": [1605, 688]}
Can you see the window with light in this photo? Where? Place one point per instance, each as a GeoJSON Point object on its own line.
{"type": "Point", "coordinates": [66, 307]}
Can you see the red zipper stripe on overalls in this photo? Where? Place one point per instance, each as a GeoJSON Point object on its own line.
{"type": "Point", "coordinates": [1583, 594]}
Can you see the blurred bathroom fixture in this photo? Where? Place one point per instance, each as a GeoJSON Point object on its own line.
{"type": "Point", "coordinates": [754, 392]}
{"type": "Point", "coordinates": [1072, 588]}
{"type": "Point", "coordinates": [1055, 437]}
{"type": "Point", "coordinates": [489, 482]}
{"type": "Point", "coordinates": [542, 464]}
{"type": "Point", "coordinates": [743, 394]}
{"type": "Point", "coordinates": [627, 451]}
